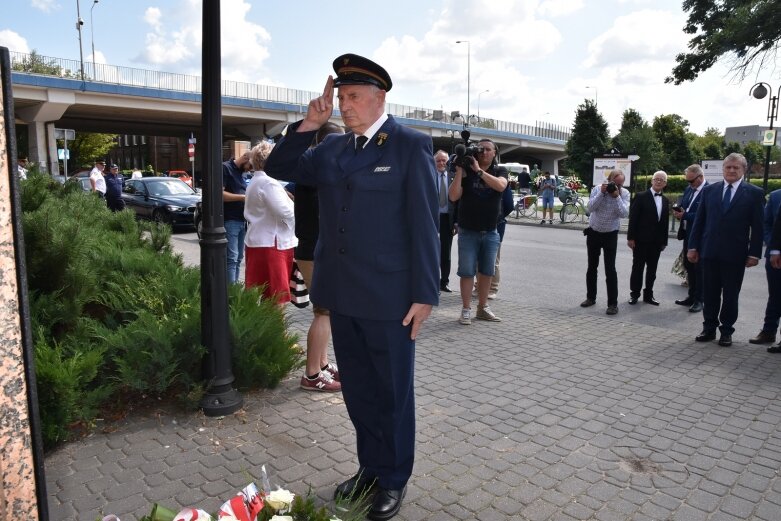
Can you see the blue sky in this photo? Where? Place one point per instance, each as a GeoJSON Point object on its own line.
{"type": "Point", "coordinates": [530, 59]}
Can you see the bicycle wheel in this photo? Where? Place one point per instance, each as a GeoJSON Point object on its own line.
{"type": "Point", "coordinates": [529, 207]}
{"type": "Point", "coordinates": [569, 212]}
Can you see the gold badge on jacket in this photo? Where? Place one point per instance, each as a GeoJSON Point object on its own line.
{"type": "Point", "coordinates": [381, 138]}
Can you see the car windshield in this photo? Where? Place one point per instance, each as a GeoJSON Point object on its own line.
{"type": "Point", "coordinates": [169, 187]}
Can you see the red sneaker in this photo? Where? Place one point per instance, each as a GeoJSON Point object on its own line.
{"type": "Point", "coordinates": [331, 368]}
{"type": "Point", "coordinates": [323, 383]}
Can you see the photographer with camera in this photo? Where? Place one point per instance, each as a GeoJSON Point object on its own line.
{"type": "Point", "coordinates": [478, 187]}
{"type": "Point", "coordinates": [607, 204]}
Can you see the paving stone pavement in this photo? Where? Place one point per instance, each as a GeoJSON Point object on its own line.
{"type": "Point", "coordinates": [548, 415]}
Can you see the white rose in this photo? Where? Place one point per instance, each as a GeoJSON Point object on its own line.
{"type": "Point", "coordinates": [281, 518]}
{"type": "Point", "coordinates": [280, 499]}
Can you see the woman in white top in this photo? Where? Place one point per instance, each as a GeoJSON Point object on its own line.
{"type": "Point", "coordinates": [270, 237]}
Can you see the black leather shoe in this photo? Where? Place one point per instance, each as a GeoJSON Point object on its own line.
{"type": "Point", "coordinates": [725, 340]}
{"type": "Point", "coordinates": [775, 348]}
{"type": "Point", "coordinates": [696, 307]}
{"type": "Point", "coordinates": [763, 337]}
{"type": "Point", "coordinates": [706, 336]}
{"type": "Point", "coordinates": [650, 300]}
{"type": "Point", "coordinates": [445, 288]}
{"type": "Point", "coordinates": [355, 487]}
{"type": "Point", "coordinates": [633, 300]}
{"type": "Point", "coordinates": [386, 504]}
{"type": "Point", "coordinates": [587, 303]}
{"type": "Point", "coordinates": [685, 302]}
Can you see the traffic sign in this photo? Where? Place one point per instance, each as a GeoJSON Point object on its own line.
{"type": "Point", "coordinates": [191, 150]}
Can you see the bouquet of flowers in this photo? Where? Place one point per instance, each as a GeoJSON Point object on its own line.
{"type": "Point", "coordinates": [253, 504]}
{"type": "Point", "coordinates": [573, 182]}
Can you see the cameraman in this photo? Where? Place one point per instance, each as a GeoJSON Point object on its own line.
{"type": "Point", "coordinates": [608, 203]}
{"type": "Point", "coordinates": [478, 187]}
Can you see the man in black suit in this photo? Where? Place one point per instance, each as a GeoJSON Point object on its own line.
{"type": "Point", "coordinates": [727, 239]}
{"type": "Point", "coordinates": [447, 214]}
{"type": "Point", "coordinates": [686, 213]}
{"type": "Point", "coordinates": [647, 237]}
{"type": "Point", "coordinates": [773, 272]}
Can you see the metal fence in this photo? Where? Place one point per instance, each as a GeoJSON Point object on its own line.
{"type": "Point", "coordinates": [128, 76]}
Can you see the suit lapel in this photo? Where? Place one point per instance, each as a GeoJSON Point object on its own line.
{"type": "Point", "coordinates": [741, 189]}
{"type": "Point", "coordinates": [350, 160]}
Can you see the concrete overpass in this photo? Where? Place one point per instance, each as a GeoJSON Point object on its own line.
{"type": "Point", "coordinates": [122, 100]}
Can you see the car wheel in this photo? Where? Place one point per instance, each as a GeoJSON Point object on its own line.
{"type": "Point", "coordinates": [199, 227]}
{"type": "Point", "coordinates": [161, 216]}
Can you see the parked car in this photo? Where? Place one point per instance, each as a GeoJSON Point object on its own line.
{"type": "Point", "coordinates": [162, 199]}
{"type": "Point", "coordinates": [183, 175]}
{"type": "Point", "coordinates": [82, 182]}
{"type": "Point", "coordinates": [198, 218]}
{"type": "Point", "coordinates": [80, 172]}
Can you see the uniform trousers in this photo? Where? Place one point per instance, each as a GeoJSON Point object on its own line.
{"type": "Point", "coordinates": [645, 256]}
{"type": "Point", "coordinates": [376, 361]}
{"type": "Point", "coordinates": [596, 243]}
{"type": "Point", "coordinates": [721, 288]}
{"type": "Point", "coordinates": [773, 308]}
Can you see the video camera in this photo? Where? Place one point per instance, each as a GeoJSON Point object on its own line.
{"type": "Point", "coordinates": [461, 151]}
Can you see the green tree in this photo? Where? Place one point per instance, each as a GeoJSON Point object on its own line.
{"type": "Point", "coordinates": [589, 139]}
{"type": "Point", "coordinates": [88, 147]}
{"type": "Point", "coordinates": [755, 153]}
{"type": "Point", "coordinates": [708, 146]}
{"type": "Point", "coordinates": [637, 137]}
{"type": "Point", "coordinates": [34, 63]}
{"type": "Point", "coordinates": [731, 147]}
{"type": "Point", "coordinates": [671, 130]}
{"type": "Point", "coordinates": [744, 32]}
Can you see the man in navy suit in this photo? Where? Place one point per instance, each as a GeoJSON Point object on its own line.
{"type": "Point", "coordinates": [773, 308]}
{"type": "Point", "coordinates": [647, 237]}
{"type": "Point", "coordinates": [686, 213]}
{"type": "Point", "coordinates": [376, 264]}
{"type": "Point", "coordinates": [727, 239]}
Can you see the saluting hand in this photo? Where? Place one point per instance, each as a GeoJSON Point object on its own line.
{"type": "Point", "coordinates": [320, 109]}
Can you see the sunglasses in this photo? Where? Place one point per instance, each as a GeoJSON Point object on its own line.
{"type": "Point", "coordinates": [690, 181]}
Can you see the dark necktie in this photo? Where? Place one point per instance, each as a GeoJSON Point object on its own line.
{"type": "Point", "coordinates": [360, 141]}
{"type": "Point", "coordinates": [657, 195]}
{"type": "Point", "coordinates": [725, 201]}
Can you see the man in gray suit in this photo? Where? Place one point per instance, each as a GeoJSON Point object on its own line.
{"type": "Point", "coordinates": [376, 264]}
{"type": "Point", "coordinates": [447, 214]}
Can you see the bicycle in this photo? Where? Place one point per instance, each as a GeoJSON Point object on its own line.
{"type": "Point", "coordinates": [526, 206]}
{"type": "Point", "coordinates": [573, 207]}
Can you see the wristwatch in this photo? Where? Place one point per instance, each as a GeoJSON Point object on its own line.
{"type": "Point", "coordinates": [479, 173]}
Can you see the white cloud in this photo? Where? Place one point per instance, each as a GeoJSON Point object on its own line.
{"type": "Point", "coordinates": [553, 8]}
{"type": "Point", "coordinates": [45, 6]}
{"type": "Point", "coordinates": [643, 35]}
{"type": "Point", "coordinates": [13, 41]}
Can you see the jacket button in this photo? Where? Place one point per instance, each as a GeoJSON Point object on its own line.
{"type": "Point", "coordinates": [341, 250]}
{"type": "Point", "coordinates": [341, 230]}
{"type": "Point", "coordinates": [344, 208]}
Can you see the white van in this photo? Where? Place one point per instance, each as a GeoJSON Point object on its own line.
{"type": "Point", "coordinates": [514, 169]}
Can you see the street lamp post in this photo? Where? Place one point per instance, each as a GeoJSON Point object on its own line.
{"type": "Point", "coordinates": [759, 91]}
{"type": "Point", "coordinates": [596, 94]}
{"type": "Point", "coordinates": [478, 103]}
{"type": "Point", "coordinates": [468, 74]}
{"type": "Point", "coordinates": [79, 23]}
{"type": "Point", "coordinates": [92, 33]}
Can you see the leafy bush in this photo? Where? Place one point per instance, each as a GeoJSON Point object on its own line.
{"type": "Point", "coordinates": [117, 315]}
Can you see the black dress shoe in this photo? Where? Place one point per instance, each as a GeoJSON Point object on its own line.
{"type": "Point", "coordinates": [725, 340]}
{"type": "Point", "coordinates": [685, 302]}
{"type": "Point", "coordinates": [355, 487]}
{"type": "Point", "coordinates": [445, 288]}
{"type": "Point", "coordinates": [706, 336]}
{"type": "Point", "coordinates": [650, 300]}
{"type": "Point", "coordinates": [633, 300]}
{"type": "Point", "coordinates": [696, 307]}
{"type": "Point", "coordinates": [386, 504]}
{"type": "Point", "coordinates": [775, 348]}
{"type": "Point", "coordinates": [763, 337]}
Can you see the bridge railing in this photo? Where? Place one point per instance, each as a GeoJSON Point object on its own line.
{"type": "Point", "coordinates": [34, 63]}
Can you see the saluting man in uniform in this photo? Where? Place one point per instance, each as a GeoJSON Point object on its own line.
{"type": "Point", "coordinates": [376, 263]}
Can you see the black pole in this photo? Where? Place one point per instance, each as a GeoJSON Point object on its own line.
{"type": "Point", "coordinates": [773, 108]}
{"type": "Point", "coordinates": [220, 398]}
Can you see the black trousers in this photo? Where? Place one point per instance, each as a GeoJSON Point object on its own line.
{"type": "Point", "coordinates": [645, 256]}
{"type": "Point", "coordinates": [445, 243]}
{"type": "Point", "coordinates": [693, 275]}
{"type": "Point", "coordinates": [721, 287]}
{"type": "Point", "coordinates": [596, 243]}
{"type": "Point", "coordinates": [773, 308]}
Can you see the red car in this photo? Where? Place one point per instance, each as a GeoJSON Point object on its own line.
{"type": "Point", "coordinates": [183, 175]}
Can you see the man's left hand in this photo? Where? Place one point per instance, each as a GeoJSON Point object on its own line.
{"type": "Point", "coordinates": [751, 262]}
{"type": "Point", "coordinates": [417, 314]}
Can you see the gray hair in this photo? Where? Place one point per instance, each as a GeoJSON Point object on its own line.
{"type": "Point", "coordinates": [259, 154]}
{"type": "Point", "coordinates": [695, 168]}
{"type": "Point", "coordinates": [615, 173]}
{"type": "Point", "coordinates": [660, 173]}
{"type": "Point", "coordinates": [740, 158]}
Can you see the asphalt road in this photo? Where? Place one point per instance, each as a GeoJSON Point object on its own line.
{"type": "Point", "coordinates": [544, 266]}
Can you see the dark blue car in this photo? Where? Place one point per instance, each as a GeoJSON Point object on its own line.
{"type": "Point", "coordinates": [162, 199]}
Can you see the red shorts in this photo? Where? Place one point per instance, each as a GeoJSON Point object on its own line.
{"type": "Point", "coordinates": [271, 267]}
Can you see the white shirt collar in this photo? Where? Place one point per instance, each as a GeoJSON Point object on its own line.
{"type": "Point", "coordinates": [374, 128]}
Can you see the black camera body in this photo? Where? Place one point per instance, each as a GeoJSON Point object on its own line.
{"type": "Point", "coordinates": [611, 187]}
{"type": "Point", "coordinates": [462, 151]}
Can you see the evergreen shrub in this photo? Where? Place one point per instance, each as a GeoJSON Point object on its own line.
{"type": "Point", "coordinates": [116, 315]}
